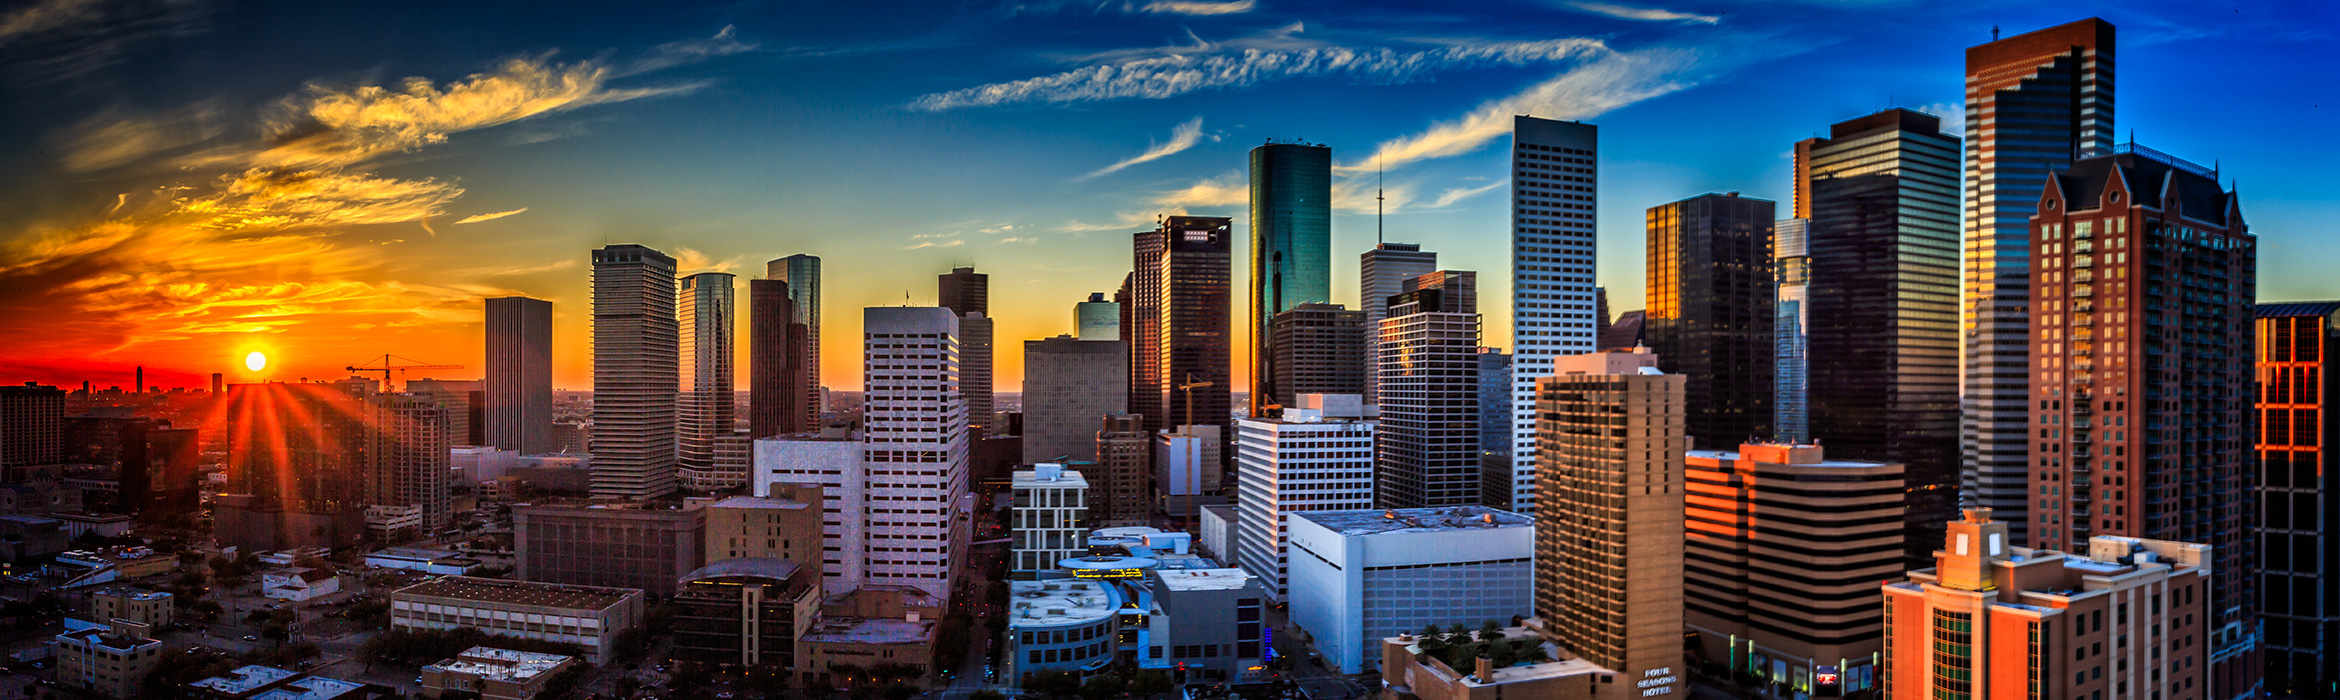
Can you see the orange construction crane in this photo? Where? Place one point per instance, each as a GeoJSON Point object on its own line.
{"type": "Point", "coordinates": [388, 367]}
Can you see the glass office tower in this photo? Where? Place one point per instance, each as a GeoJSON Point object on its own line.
{"type": "Point", "coordinates": [1291, 246]}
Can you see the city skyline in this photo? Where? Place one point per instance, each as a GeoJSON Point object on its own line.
{"type": "Point", "coordinates": [394, 213]}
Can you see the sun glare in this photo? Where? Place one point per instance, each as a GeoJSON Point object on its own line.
{"type": "Point", "coordinates": [255, 361]}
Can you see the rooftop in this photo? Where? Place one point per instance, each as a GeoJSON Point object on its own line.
{"type": "Point", "coordinates": [1356, 523]}
{"type": "Point", "coordinates": [133, 593]}
{"type": "Point", "coordinates": [760, 567]}
{"type": "Point", "coordinates": [870, 630]}
{"type": "Point", "coordinates": [244, 680]}
{"type": "Point", "coordinates": [104, 637]}
{"type": "Point", "coordinates": [1059, 602]}
{"type": "Point", "coordinates": [310, 688]}
{"type": "Point", "coordinates": [1204, 579]}
{"type": "Point", "coordinates": [551, 595]}
{"type": "Point", "coordinates": [759, 502]}
{"type": "Point", "coordinates": [501, 664]}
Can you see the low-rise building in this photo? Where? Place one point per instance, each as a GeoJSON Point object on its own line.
{"type": "Point", "coordinates": [112, 660]}
{"type": "Point", "coordinates": [150, 608]}
{"type": "Point", "coordinates": [268, 683]}
{"type": "Point", "coordinates": [85, 567]}
{"type": "Point", "coordinates": [783, 525]}
{"type": "Point", "coordinates": [394, 523]}
{"type": "Point", "coordinates": [445, 562]}
{"type": "Point", "coordinates": [1206, 622]}
{"type": "Point", "coordinates": [1061, 625]}
{"type": "Point", "coordinates": [1217, 540]}
{"type": "Point", "coordinates": [26, 536]}
{"type": "Point", "coordinates": [745, 612]}
{"type": "Point", "coordinates": [1523, 663]}
{"type": "Point", "coordinates": [299, 584]}
{"type": "Point", "coordinates": [587, 616]}
{"type": "Point", "coordinates": [1361, 576]}
{"type": "Point", "coordinates": [869, 627]}
{"type": "Point", "coordinates": [608, 545]}
{"type": "Point", "coordinates": [494, 674]}
{"type": "Point", "coordinates": [1050, 521]}
{"type": "Point", "coordinates": [100, 524]}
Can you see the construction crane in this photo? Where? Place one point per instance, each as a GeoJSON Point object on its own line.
{"type": "Point", "coordinates": [1187, 501]}
{"type": "Point", "coordinates": [388, 367]}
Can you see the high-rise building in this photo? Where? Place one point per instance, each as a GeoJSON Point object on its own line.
{"type": "Point", "coordinates": [1180, 294]}
{"type": "Point", "coordinates": [917, 447]}
{"type": "Point", "coordinates": [1291, 246]}
{"type": "Point", "coordinates": [1609, 516]}
{"type": "Point", "coordinates": [1880, 331]}
{"type": "Point", "coordinates": [1494, 427]}
{"type": "Point", "coordinates": [1711, 300]}
{"type": "Point", "coordinates": [408, 446]}
{"type": "Point", "coordinates": [783, 525]}
{"type": "Point", "coordinates": [1068, 386]}
{"type": "Point", "coordinates": [1791, 418]}
{"type": "Point", "coordinates": [1051, 518]}
{"type": "Point", "coordinates": [519, 375]}
{"type": "Point", "coordinates": [1317, 457]}
{"type": "Point", "coordinates": [2053, 88]}
{"type": "Point", "coordinates": [2297, 486]}
{"type": "Point", "coordinates": [1554, 179]}
{"type": "Point", "coordinates": [963, 291]}
{"type": "Point", "coordinates": [2141, 418]}
{"type": "Point", "coordinates": [299, 452]}
{"type": "Point", "coordinates": [1785, 548]}
{"type": "Point", "coordinates": [1190, 471]}
{"type": "Point", "coordinates": [1316, 349]}
{"type": "Point", "coordinates": [706, 405]}
{"type": "Point", "coordinates": [777, 343]}
{"type": "Point", "coordinates": [1097, 319]}
{"type": "Point", "coordinates": [968, 293]}
{"type": "Point", "coordinates": [803, 275]}
{"type": "Point", "coordinates": [636, 362]}
{"type": "Point", "coordinates": [1427, 453]}
{"type": "Point", "coordinates": [1121, 494]}
{"type": "Point", "coordinates": [1625, 333]}
{"type": "Point", "coordinates": [465, 401]}
{"type": "Point", "coordinates": [32, 425]}
{"type": "Point", "coordinates": [1381, 274]}
{"type": "Point", "coordinates": [2123, 618]}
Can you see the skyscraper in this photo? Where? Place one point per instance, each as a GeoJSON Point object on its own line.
{"type": "Point", "coordinates": [968, 293]}
{"type": "Point", "coordinates": [916, 447]}
{"type": "Point", "coordinates": [1291, 246]}
{"type": "Point", "coordinates": [1494, 427]}
{"type": "Point", "coordinates": [777, 345]}
{"type": "Point", "coordinates": [1180, 295]}
{"type": "Point", "coordinates": [32, 425]}
{"type": "Point", "coordinates": [1609, 516]}
{"type": "Point", "coordinates": [963, 291]}
{"type": "Point", "coordinates": [1711, 300]}
{"type": "Point", "coordinates": [1554, 179]}
{"type": "Point", "coordinates": [1068, 386]}
{"type": "Point", "coordinates": [1318, 456]}
{"type": "Point", "coordinates": [2054, 90]}
{"type": "Point", "coordinates": [2298, 483]}
{"type": "Point", "coordinates": [1880, 331]}
{"type": "Point", "coordinates": [1427, 453]}
{"type": "Point", "coordinates": [1120, 486]}
{"type": "Point", "coordinates": [636, 366]}
{"type": "Point", "coordinates": [1097, 319]}
{"type": "Point", "coordinates": [519, 375]}
{"type": "Point", "coordinates": [2141, 415]}
{"type": "Point", "coordinates": [1317, 349]}
{"type": "Point", "coordinates": [464, 400]}
{"type": "Point", "coordinates": [1790, 346]}
{"type": "Point", "coordinates": [803, 275]}
{"type": "Point", "coordinates": [704, 317]}
{"type": "Point", "coordinates": [1381, 274]}
{"type": "Point", "coordinates": [408, 444]}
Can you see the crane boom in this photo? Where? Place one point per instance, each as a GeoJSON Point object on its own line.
{"type": "Point", "coordinates": [389, 366]}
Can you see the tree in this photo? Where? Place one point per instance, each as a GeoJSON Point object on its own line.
{"type": "Point", "coordinates": [258, 617]}
{"type": "Point", "coordinates": [1151, 682]}
{"type": "Point", "coordinates": [1431, 630]}
{"type": "Point", "coordinates": [1490, 631]}
{"type": "Point", "coordinates": [275, 631]}
{"type": "Point", "coordinates": [899, 691]}
{"type": "Point", "coordinates": [1055, 684]}
{"type": "Point", "coordinates": [1104, 687]}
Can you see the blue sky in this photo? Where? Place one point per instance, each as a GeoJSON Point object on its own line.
{"type": "Point", "coordinates": [188, 180]}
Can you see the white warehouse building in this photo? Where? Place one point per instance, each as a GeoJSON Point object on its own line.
{"type": "Point", "coordinates": [1360, 576]}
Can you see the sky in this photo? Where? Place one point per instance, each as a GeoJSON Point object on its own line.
{"type": "Point", "coordinates": [184, 182]}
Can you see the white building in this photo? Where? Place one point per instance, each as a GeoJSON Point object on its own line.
{"type": "Point", "coordinates": [1555, 175]}
{"type": "Point", "coordinates": [590, 617]}
{"type": "Point", "coordinates": [1363, 575]}
{"type": "Point", "coordinates": [1312, 459]}
{"type": "Point", "coordinates": [1218, 533]}
{"type": "Point", "coordinates": [299, 584]}
{"type": "Point", "coordinates": [832, 459]}
{"type": "Point", "coordinates": [1064, 625]}
{"type": "Point", "coordinates": [477, 465]}
{"type": "Point", "coordinates": [1188, 470]}
{"type": "Point", "coordinates": [1051, 517]}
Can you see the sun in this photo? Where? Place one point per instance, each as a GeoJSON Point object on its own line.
{"type": "Point", "coordinates": [255, 361]}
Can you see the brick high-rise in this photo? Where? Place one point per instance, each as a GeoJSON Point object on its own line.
{"type": "Point", "coordinates": [2143, 279]}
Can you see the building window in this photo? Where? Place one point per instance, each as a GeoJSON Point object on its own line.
{"type": "Point", "coordinates": [1953, 655]}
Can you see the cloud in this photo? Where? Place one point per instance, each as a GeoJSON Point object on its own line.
{"type": "Point", "coordinates": [278, 198]}
{"type": "Point", "coordinates": [48, 15]}
{"type": "Point", "coordinates": [1226, 190]}
{"type": "Point", "coordinates": [113, 138]}
{"type": "Point", "coordinates": [1953, 115]}
{"type": "Point", "coordinates": [1646, 14]}
{"type": "Point", "coordinates": [725, 43]}
{"type": "Point", "coordinates": [1190, 69]}
{"type": "Point", "coordinates": [1597, 87]}
{"type": "Point", "coordinates": [1198, 7]}
{"type": "Point", "coordinates": [1182, 137]}
{"type": "Point", "coordinates": [490, 216]}
{"type": "Point", "coordinates": [510, 271]}
{"type": "Point", "coordinates": [689, 261]}
{"type": "Point", "coordinates": [1457, 194]}
{"type": "Point", "coordinates": [55, 41]}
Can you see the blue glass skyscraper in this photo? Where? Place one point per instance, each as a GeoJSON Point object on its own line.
{"type": "Point", "coordinates": [1291, 245]}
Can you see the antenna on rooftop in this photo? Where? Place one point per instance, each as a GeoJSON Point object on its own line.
{"type": "Point", "coordinates": [1994, 32]}
{"type": "Point", "coordinates": [1377, 170]}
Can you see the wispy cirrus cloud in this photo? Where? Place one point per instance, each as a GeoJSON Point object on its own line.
{"type": "Point", "coordinates": [726, 42]}
{"type": "Point", "coordinates": [689, 261]}
{"type": "Point", "coordinates": [55, 41]}
{"type": "Point", "coordinates": [490, 216]}
{"type": "Point", "coordinates": [1646, 14]}
{"type": "Point", "coordinates": [1613, 80]}
{"type": "Point", "coordinates": [1453, 195]}
{"type": "Point", "coordinates": [1198, 7]}
{"type": "Point", "coordinates": [1208, 67]}
{"type": "Point", "coordinates": [1226, 190]}
{"type": "Point", "coordinates": [1182, 137]}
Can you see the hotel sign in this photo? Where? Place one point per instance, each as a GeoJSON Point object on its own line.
{"type": "Point", "coordinates": [1657, 681]}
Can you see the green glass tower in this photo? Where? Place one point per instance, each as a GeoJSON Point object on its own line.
{"type": "Point", "coordinates": [1291, 246]}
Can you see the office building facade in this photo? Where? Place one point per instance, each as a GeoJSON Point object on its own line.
{"type": "Point", "coordinates": [1069, 385]}
{"type": "Point", "coordinates": [1880, 331]}
{"type": "Point", "coordinates": [786, 524]}
{"type": "Point", "coordinates": [1360, 576]}
{"type": "Point", "coordinates": [409, 449]}
{"type": "Point", "coordinates": [1609, 568]}
{"type": "Point", "coordinates": [1291, 247]}
{"type": "Point", "coordinates": [607, 546]}
{"type": "Point", "coordinates": [590, 617]}
{"type": "Point", "coordinates": [32, 425]}
{"type": "Point", "coordinates": [777, 345]}
{"type": "Point", "coordinates": [745, 612]}
{"type": "Point", "coordinates": [1381, 274]}
{"type": "Point", "coordinates": [1709, 318]}
{"type": "Point", "coordinates": [636, 366]}
{"type": "Point", "coordinates": [1123, 478]}
{"type": "Point", "coordinates": [519, 375]}
{"type": "Point", "coordinates": [2053, 89]}
{"type": "Point", "coordinates": [1317, 457]}
{"type": "Point", "coordinates": [803, 275]}
{"type": "Point", "coordinates": [1555, 178]}
{"type": "Point", "coordinates": [1050, 520]}
{"type": "Point", "coordinates": [1317, 349]}
{"type": "Point", "coordinates": [1494, 427]}
{"type": "Point", "coordinates": [1427, 453]}
{"type": "Point", "coordinates": [1791, 417]}
{"type": "Point", "coordinates": [1180, 293]}
{"type": "Point", "coordinates": [2298, 524]}
{"type": "Point", "coordinates": [705, 406]}
{"type": "Point", "coordinates": [917, 448]}
{"type": "Point", "coordinates": [1097, 319]}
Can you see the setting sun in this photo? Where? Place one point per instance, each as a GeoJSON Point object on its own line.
{"type": "Point", "coordinates": [255, 361]}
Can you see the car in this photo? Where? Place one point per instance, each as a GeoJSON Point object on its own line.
{"type": "Point", "coordinates": [250, 638]}
{"type": "Point", "coordinates": [725, 695]}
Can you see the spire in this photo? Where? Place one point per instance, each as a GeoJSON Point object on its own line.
{"type": "Point", "coordinates": [1377, 239]}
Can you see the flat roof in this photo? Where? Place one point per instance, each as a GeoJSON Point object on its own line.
{"type": "Point", "coordinates": [1059, 602]}
{"type": "Point", "coordinates": [551, 595]}
{"type": "Point", "coordinates": [744, 502]}
{"type": "Point", "coordinates": [501, 664]}
{"type": "Point", "coordinates": [1204, 579]}
{"type": "Point", "coordinates": [244, 680]}
{"type": "Point", "coordinates": [133, 593]}
{"type": "Point", "coordinates": [870, 630]}
{"type": "Point", "coordinates": [310, 688]}
{"type": "Point", "coordinates": [1357, 523]}
{"type": "Point", "coordinates": [1733, 456]}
